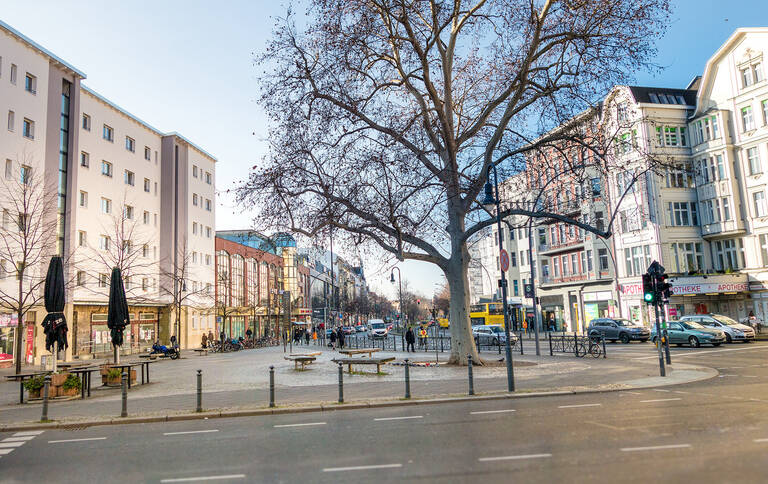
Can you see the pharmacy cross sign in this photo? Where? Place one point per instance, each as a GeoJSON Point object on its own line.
{"type": "Point", "coordinates": [504, 260]}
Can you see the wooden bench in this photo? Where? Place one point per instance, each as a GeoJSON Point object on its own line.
{"type": "Point", "coordinates": [360, 351]}
{"type": "Point", "coordinates": [364, 361]}
{"type": "Point", "coordinates": [302, 360]}
{"type": "Point", "coordinates": [314, 353]}
{"type": "Point", "coordinates": [201, 351]}
{"type": "Point", "coordinates": [148, 356]}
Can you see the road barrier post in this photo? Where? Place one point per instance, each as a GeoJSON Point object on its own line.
{"type": "Point", "coordinates": [271, 386]}
{"type": "Point", "coordinates": [199, 390]}
{"type": "Point", "coordinates": [407, 379]}
{"type": "Point", "coordinates": [124, 383]}
{"type": "Point", "coordinates": [603, 338]}
{"type": "Point", "coordinates": [550, 344]}
{"type": "Point", "coordinates": [341, 383]}
{"type": "Point", "coordinates": [469, 370]}
{"type": "Point", "coordinates": [498, 343]}
{"type": "Point", "coordinates": [575, 344]}
{"type": "Point", "coordinates": [46, 389]}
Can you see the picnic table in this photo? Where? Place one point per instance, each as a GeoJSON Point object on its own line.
{"type": "Point", "coordinates": [86, 378]}
{"type": "Point", "coordinates": [360, 351]}
{"type": "Point", "coordinates": [302, 360]}
{"type": "Point", "coordinates": [201, 351]}
{"type": "Point", "coordinates": [364, 361]}
{"type": "Point", "coordinates": [20, 377]}
{"type": "Point", "coordinates": [128, 366]}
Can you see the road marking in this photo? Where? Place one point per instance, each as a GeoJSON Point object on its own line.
{"type": "Point", "coordinates": [28, 432]}
{"type": "Point", "coordinates": [492, 411]}
{"type": "Point", "coordinates": [699, 352]}
{"type": "Point", "coordinates": [362, 468]}
{"type": "Point", "coordinates": [749, 376]}
{"type": "Point", "coordinates": [582, 405]}
{"type": "Point", "coordinates": [5, 445]}
{"type": "Point", "coordinates": [659, 390]}
{"type": "Point", "coordinates": [190, 432]}
{"type": "Point", "coordinates": [299, 425]}
{"type": "Point", "coordinates": [684, 393]}
{"type": "Point", "coordinates": [656, 447]}
{"type": "Point", "coordinates": [760, 440]}
{"type": "Point", "coordinates": [660, 400]}
{"type": "Point", "coordinates": [19, 439]}
{"type": "Point", "coordinates": [205, 478]}
{"type": "Point", "coordinates": [397, 418]}
{"type": "Point", "coordinates": [514, 457]}
{"type": "Point", "coordinates": [75, 440]}
{"type": "Point", "coordinates": [5, 451]}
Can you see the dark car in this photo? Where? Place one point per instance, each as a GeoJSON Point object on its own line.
{"type": "Point", "coordinates": [618, 329]}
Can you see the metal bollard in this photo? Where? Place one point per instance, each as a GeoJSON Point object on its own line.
{"type": "Point", "coordinates": [46, 389]}
{"type": "Point", "coordinates": [341, 383]}
{"type": "Point", "coordinates": [469, 370]}
{"type": "Point", "coordinates": [550, 345]}
{"type": "Point", "coordinates": [199, 390]}
{"type": "Point", "coordinates": [407, 379]}
{"type": "Point", "coordinates": [521, 342]}
{"type": "Point", "coordinates": [498, 343]}
{"type": "Point", "coordinates": [124, 381]}
{"type": "Point", "coordinates": [604, 353]}
{"type": "Point", "coordinates": [271, 386]}
{"type": "Point", "coordinates": [575, 344]}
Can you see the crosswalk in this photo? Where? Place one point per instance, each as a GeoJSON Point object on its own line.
{"type": "Point", "coordinates": [9, 444]}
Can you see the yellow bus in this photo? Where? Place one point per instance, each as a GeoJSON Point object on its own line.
{"type": "Point", "coordinates": [486, 313]}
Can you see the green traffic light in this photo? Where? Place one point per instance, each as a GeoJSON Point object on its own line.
{"type": "Point", "coordinates": [648, 297]}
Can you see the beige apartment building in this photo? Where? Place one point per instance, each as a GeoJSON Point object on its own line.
{"type": "Point", "coordinates": [126, 195]}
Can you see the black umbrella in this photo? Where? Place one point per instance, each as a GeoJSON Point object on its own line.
{"type": "Point", "coordinates": [117, 312]}
{"type": "Point", "coordinates": [55, 324]}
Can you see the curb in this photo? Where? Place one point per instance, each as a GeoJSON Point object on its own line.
{"type": "Point", "coordinates": [707, 373]}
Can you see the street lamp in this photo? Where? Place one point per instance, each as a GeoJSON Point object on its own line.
{"type": "Point", "coordinates": [488, 202]}
{"type": "Point", "coordinates": [402, 319]}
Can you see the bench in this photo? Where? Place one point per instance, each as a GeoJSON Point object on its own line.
{"type": "Point", "coordinates": [302, 360]}
{"type": "Point", "coordinates": [360, 351]}
{"type": "Point", "coordinates": [363, 361]}
{"type": "Point", "coordinates": [148, 356]}
{"type": "Point", "coordinates": [201, 351]}
{"type": "Point", "coordinates": [314, 353]}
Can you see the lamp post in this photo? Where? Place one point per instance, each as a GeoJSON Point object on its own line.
{"type": "Point", "coordinates": [489, 202]}
{"type": "Point", "coordinates": [402, 319]}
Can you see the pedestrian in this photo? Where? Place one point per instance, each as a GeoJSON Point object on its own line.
{"type": "Point", "coordinates": [249, 333]}
{"type": "Point", "coordinates": [204, 341]}
{"type": "Point", "coordinates": [423, 338]}
{"type": "Point", "coordinates": [551, 322]}
{"type": "Point", "coordinates": [173, 342]}
{"type": "Point", "coordinates": [341, 338]}
{"type": "Point", "coordinates": [210, 337]}
{"type": "Point", "coordinates": [306, 336]}
{"type": "Point", "coordinates": [333, 340]}
{"type": "Point", "coordinates": [222, 337]}
{"type": "Point", "coordinates": [410, 338]}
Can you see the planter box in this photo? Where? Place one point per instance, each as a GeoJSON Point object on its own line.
{"type": "Point", "coordinates": [116, 381]}
{"type": "Point", "coordinates": [57, 379]}
{"type": "Point", "coordinates": [69, 393]}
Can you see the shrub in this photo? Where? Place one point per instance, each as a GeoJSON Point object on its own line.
{"type": "Point", "coordinates": [35, 383]}
{"type": "Point", "coordinates": [114, 373]}
{"type": "Point", "coordinates": [72, 381]}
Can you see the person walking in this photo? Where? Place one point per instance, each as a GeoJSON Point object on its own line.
{"type": "Point", "coordinates": [306, 337]}
{"type": "Point", "coordinates": [249, 333]}
{"type": "Point", "coordinates": [410, 339]}
{"type": "Point", "coordinates": [341, 338]}
{"type": "Point", "coordinates": [423, 338]}
{"type": "Point", "coordinates": [333, 340]}
{"type": "Point", "coordinates": [222, 338]}
{"type": "Point", "coordinates": [210, 337]}
{"type": "Point", "coordinates": [204, 341]}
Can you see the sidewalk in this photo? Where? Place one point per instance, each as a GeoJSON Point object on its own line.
{"type": "Point", "coordinates": [237, 381]}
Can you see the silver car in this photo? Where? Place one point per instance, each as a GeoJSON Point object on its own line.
{"type": "Point", "coordinates": [492, 334]}
{"type": "Point", "coordinates": [733, 330]}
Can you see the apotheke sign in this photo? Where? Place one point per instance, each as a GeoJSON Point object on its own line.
{"type": "Point", "coordinates": [688, 288]}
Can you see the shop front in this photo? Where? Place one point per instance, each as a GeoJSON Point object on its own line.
{"type": "Point", "coordinates": [726, 294]}
{"type": "Point", "coordinates": [633, 307]}
{"type": "Point", "coordinates": [94, 337]}
{"type": "Point", "coordinates": [599, 304]}
{"type": "Point", "coordinates": [552, 308]}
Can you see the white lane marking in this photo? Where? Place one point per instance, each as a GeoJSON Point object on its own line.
{"type": "Point", "coordinates": [361, 468]}
{"type": "Point", "coordinates": [699, 352]}
{"type": "Point", "coordinates": [190, 432]}
{"type": "Point", "coordinates": [660, 400]}
{"type": "Point", "coordinates": [656, 447]}
{"type": "Point", "coordinates": [28, 432]}
{"type": "Point", "coordinates": [75, 440]}
{"type": "Point", "coordinates": [749, 376]}
{"type": "Point", "coordinates": [299, 425]}
{"type": "Point", "coordinates": [6, 445]}
{"type": "Point", "coordinates": [397, 418]}
{"type": "Point", "coordinates": [6, 451]}
{"type": "Point", "coordinates": [482, 412]}
{"type": "Point", "coordinates": [18, 439]}
{"type": "Point", "coordinates": [660, 390]}
{"type": "Point", "coordinates": [633, 393]}
{"type": "Point", "coordinates": [582, 405]}
{"type": "Point", "coordinates": [513, 457]}
{"type": "Point", "coordinates": [683, 393]}
{"type": "Point", "coordinates": [205, 478]}
{"type": "Point", "coordinates": [760, 440]}
{"type": "Point", "coordinates": [724, 375]}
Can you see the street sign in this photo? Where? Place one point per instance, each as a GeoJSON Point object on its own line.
{"type": "Point", "coordinates": [504, 260]}
{"type": "Point", "coordinates": [528, 290]}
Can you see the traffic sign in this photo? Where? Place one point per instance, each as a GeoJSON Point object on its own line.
{"type": "Point", "coordinates": [528, 290]}
{"type": "Point", "coordinates": [504, 260]}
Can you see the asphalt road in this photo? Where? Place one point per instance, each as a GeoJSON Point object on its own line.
{"type": "Point", "coordinates": [709, 431]}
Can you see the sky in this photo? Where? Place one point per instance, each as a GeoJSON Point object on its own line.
{"type": "Point", "coordinates": [186, 66]}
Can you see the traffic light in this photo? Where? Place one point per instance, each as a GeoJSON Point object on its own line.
{"type": "Point", "coordinates": [663, 288]}
{"type": "Point", "coordinates": [418, 301]}
{"type": "Point", "coordinates": [649, 295]}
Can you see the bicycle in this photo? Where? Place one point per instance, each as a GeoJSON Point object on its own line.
{"type": "Point", "coordinates": [593, 349]}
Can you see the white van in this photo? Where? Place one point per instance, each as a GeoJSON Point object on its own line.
{"type": "Point", "coordinates": [377, 328]}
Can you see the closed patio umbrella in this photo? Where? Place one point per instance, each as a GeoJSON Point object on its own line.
{"type": "Point", "coordinates": [117, 311]}
{"type": "Point", "coordinates": [55, 323]}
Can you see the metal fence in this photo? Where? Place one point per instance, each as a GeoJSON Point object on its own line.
{"type": "Point", "coordinates": [577, 345]}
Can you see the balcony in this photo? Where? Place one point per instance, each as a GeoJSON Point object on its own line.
{"type": "Point", "coordinates": [571, 244]}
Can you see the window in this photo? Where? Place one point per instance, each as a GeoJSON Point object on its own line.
{"type": "Point", "coordinates": [194, 171]}
{"type": "Point", "coordinates": [128, 212]}
{"type": "Point", "coordinates": [83, 199]}
{"type": "Point", "coordinates": [602, 255]}
{"type": "Point", "coordinates": [108, 134]}
{"type": "Point", "coordinates": [85, 159]}
{"type": "Point", "coordinates": [106, 205]}
{"type": "Point", "coordinates": [208, 234]}
{"type": "Point", "coordinates": [129, 178]}
{"type": "Point", "coordinates": [728, 254]}
{"type": "Point", "coordinates": [683, 214]}
{"type": "Point", "coordinates": [746, 77]}
{"type": "Point", "coordinates": [681, 176]}
{"type": "Point", "coordinates": [589, 260]}
{"type": "Point", "coordinates": [147, 153]}
{"type": "Point", "coordinates": [513, 258]}
{"type": "Point", "coordinates": [207, 204]}
{"type": "Point", "coordinates": [726, 209]}
{"type": "Point", "coordinates": [516, 287]}
{"type": "Point", "coordinates": [13, 73]}
{"type": "Point", "coordinates": [80, 278]}
{"type": "Point", "coordinates": [599, 224]}
{"type": "Point", "coordinates": [30, 83]}
{"type": "Point", "coordinates": [144, 284]}
{"type": "Point", "coordinates": [689, 256]}
{"type": "Point", "coordinates": [11, 120]}
{"type": "Point", "coordinates": [28, 129]}
{"type": "Point", "coordinates": [104, 242]}
{"type": "Point", "coordinates": [86, 122]}
{"type": "Point", "coordinates": [8, 169]}
{"type": "Point", "coordinates": [82, 239]}
{"type": "Point", "coordinates": [753, 157]}
{"type": "Point", "coordinates": [764, 248]}
{"type": "Point", "coordinates": [747, 120]}
{"type": "Point", "coordinates": [106, 168]}
{"type": "Point", "coordinates": [155, 188]}
{"type": "Point", "coordinates": [194, 228]}
{"type": "Point", "coordinates": [720, 167]}
{"type": "Point", "coordinates": [25, 174]}
{"type": "Point", "coordinates": [145, 250]}
{"type": "Point", "coordinates": [765, 111]}
{"type": "Point", "coordinates": [146, 185]}
{"type": "Point", "coordinates": [208, 175]}
{"type": "Point", "coordinates": [103, 280]}
{"type": "Point", "coordinates": [194, 199]}
{"type": "Point", "coordinates": [758, 201]}
{"type": "Point", "coordinates": [130, 144]}
{"type": "Point", "coordinates": [146, 218]}
{"type": "Point", "coordinates": [595, 182]}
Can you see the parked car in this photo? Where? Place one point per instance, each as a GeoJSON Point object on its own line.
{"type": "Point", "coordinates": [692, 333]}
{"type": "Point", "coordinates": [618, 329]}
{"type": "Point", "coordinates": [377, 328]}
{"type": "Point", "coordinates": [360, 328]}
{"type": "Point", "coordinates": [347, 330]}
{"type": "Point", "coordinates": [492, 334]}
{"type": "Point", "coordinates": [733, 331]}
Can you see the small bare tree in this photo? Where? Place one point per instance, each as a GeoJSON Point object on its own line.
{"type": "Point", "coordinates": [28, 238]}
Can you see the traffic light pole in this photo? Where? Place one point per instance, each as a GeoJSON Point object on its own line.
{"type": "Point", "coordinates": [662, 370]}
{"type": "Point", "coordinates": [666, 345]}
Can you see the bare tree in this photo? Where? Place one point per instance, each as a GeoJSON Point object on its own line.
{"type": "Point", "coordinates": [387, 115]}
{"type": "Point", "coordinates": [28, 238]}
